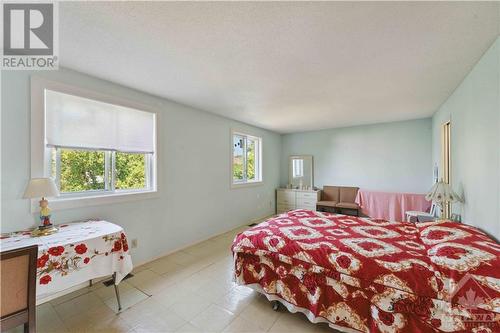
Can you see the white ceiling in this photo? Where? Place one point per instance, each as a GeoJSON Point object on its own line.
{"type": "Point", "coordinates": [284, 66]}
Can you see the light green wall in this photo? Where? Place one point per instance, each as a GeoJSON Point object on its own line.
{"type": "Point", "coordinates": [196, 200]}
{"type": "Point", "coordinates": [474, 111]}
{"type": "Point", "coordinates": [393, 157]}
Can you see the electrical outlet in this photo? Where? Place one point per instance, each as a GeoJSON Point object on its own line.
{"type": "Point", "coordinates": [134, 243]}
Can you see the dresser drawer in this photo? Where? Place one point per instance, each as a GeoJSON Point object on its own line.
{"type": "Point", "coordinates": [306, 202]}
{"type": "Point", "coordinates": [307, 195]}
{"type": "Point", "coordinates": [284, 208]}
{"type": "Point", "coordinates": [287, 198]}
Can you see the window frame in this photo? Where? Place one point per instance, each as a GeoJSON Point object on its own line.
{"type": "Point", "coordinates": [41, 154]}
{"type": "Point", "coordinates": [258, 160]}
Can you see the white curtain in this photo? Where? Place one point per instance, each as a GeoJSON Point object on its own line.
{"type": "Point", "coordinates": [77, 122]}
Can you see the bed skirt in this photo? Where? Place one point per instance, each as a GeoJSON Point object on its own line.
{"type": "Point", "coordinates": [294, 309]}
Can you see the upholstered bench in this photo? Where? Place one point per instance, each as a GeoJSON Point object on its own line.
{"type": "Point", "coordinates": [339, 199]}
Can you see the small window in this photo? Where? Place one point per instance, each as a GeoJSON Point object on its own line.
{"type": "Point", "coordinates": [98, 148]}
{"type": "Point", "coordinates": [246, 159]}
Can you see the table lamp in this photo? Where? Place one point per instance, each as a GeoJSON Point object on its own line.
{"type": "Point", "coordinates": [42, 188]}
{"type": "Point", "coordinates": [441, 194]}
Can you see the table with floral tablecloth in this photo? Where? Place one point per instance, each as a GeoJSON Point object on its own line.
{"type": "Point", "coordinates": [77, 253]}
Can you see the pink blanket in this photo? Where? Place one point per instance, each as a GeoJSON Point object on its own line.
{"type": "Point", "coordinates": [390, 206]}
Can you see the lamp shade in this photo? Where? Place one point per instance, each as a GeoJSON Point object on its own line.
{"type": "Point", "coordinates": [442, 193]}
{"type": "Point", "coordinates": [40, 187]}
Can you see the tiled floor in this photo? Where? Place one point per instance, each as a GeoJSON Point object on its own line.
{"type": "Point", "coordinates": [188, 291]}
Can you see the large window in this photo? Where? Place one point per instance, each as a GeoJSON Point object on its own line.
{"type": "Point", "coordinates": [246, 159]}
{"type": "Point", "coordinates": [98, 148]}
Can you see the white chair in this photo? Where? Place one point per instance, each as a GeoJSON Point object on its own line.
{"type": "Point", "coordinates": [416, 216]}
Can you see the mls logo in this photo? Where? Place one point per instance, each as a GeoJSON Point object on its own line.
{"type": "Point", "coordinates": [28, 29]}
{"type": "Point", "coordinates": [480, 310]}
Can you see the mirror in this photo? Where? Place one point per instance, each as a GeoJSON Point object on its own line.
{"type": "Point", "coordinates": [300, 172]}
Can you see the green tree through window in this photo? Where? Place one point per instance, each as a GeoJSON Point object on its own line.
{"type": "Point", "coordinates": [246, 158]}
{"type": "Point", "coordinates": [238, 151]}
{"type": "Point", "coordinates": [85, 170]}
{"type": "Point", "coordinates": [251, 159]}
{"type": "Point", "coordinates": [130, 171]}
{"type": "Point", "coordinates": [82, 170]}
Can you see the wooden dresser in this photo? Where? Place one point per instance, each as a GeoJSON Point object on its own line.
{"type": "Point", "coordinates": [288, 199]}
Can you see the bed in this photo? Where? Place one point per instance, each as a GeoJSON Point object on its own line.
{"type": "Point", "coordinates": [370, 275]}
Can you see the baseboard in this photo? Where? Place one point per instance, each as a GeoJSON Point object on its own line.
{"type": "Point", "coordinates": [183, 247]}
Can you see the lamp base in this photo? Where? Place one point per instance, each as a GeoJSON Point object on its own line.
{"type": "Point", "coordinates": [44, 231]}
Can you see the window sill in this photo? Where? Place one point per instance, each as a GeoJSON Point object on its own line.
{"type": "Point", "coordinates": [243, 185]}
{"type": "Point", "coordinates": [69, 202]}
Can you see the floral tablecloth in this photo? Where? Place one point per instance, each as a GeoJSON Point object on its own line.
{"type": "Point", "coordinates": [79, 252]}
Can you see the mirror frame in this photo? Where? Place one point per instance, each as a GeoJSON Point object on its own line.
{"type": "Point", "coordinates": [304, 157]}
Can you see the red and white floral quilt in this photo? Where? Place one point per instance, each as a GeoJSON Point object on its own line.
{"type": "Point", "coordinates": [371, 275]}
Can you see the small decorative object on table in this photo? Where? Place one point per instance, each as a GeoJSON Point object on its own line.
{"type": "Point", "coordinates": [441, 194]}
{"type": "Point", "coordinates": [42, 187]}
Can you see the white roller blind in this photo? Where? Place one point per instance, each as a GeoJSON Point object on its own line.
{"type": "Point", "coordinates": [77, 122]}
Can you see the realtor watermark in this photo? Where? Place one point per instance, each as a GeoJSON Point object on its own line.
{"type": "Point", "coordinates": [30, 36]}
{"type": "Point", "coordinates": [476, 299]}
{"type": "Point", "coordinates": [469, 307]}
